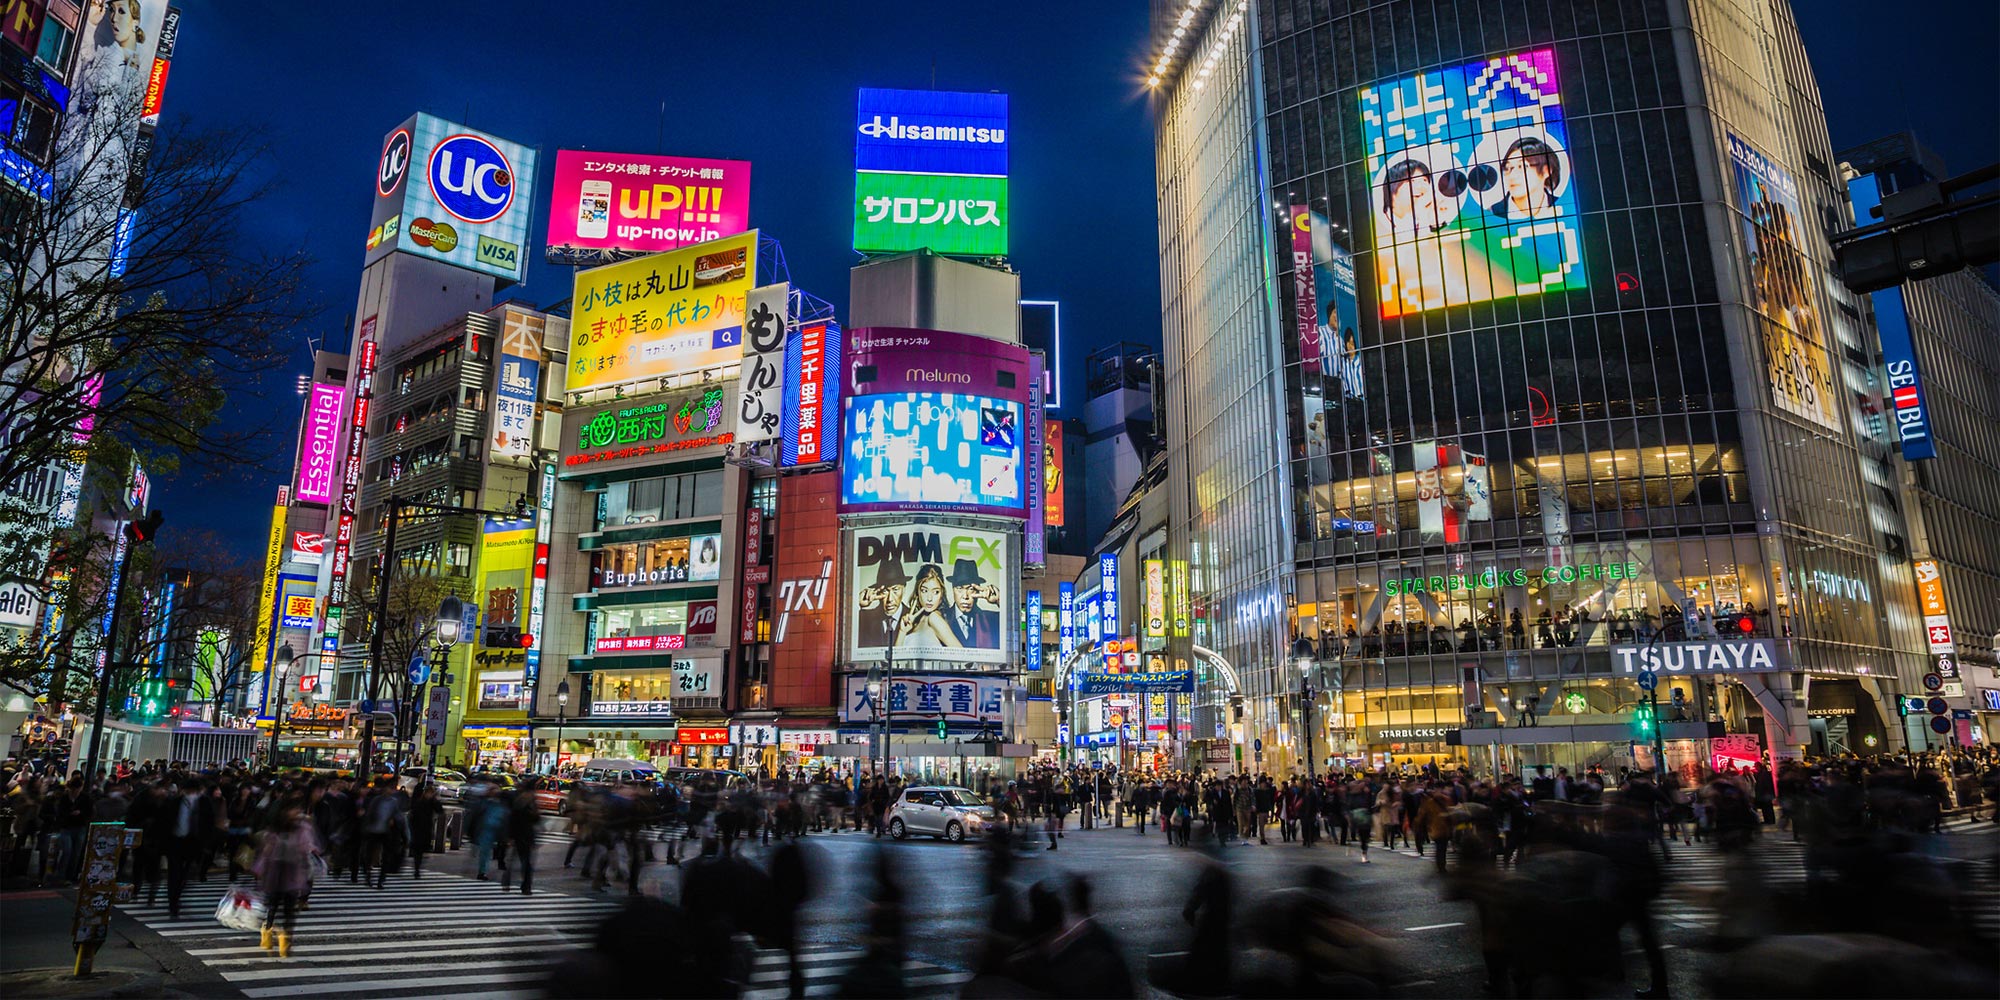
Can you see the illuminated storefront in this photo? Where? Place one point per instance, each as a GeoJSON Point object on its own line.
{"type": "Point", "coordinates": [1495, 409]}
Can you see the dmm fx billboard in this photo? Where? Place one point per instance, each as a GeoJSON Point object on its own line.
{"type": "Point", "coordinates": [934, 421]}
{"type": "Point", "coordinates": [1725, 656]}
{"type": "Point", "coordinates": [667, 314]}
{"type": "Point", "coordinates": [928, 697]}
{"type": "Point", "coordinates": [636, 203]}
{"type": "Point", "coordinates": [930, 170]}
{"type": "Point", "coordinates": [455, 195]}
{"type": "Point", "coordinates": [319, 443]}
{"type": "Point", "coordinates": [631, 432]}
{"type": "Point", "coordinates": [936, 592]}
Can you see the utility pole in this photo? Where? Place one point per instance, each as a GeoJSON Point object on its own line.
{"type": "Point", "coordinates": [138, 532]}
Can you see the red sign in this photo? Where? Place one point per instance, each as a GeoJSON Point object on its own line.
{"type": "Point", "coordinates": [1052, 473]}
{"type": "Point", "coordinates": [812, 388]}
{"type": "Point", "coordinates": [640, 643]}
{"type": "Point", "coordinates": [701, 618]}
{"type": "Point", "coordinates": [308, 682]}
{"type": "Point", "coordinates": [704, 737]}
{"type": "Point", "coordinates": [350, 486]}
{"type": "Point", "coordinates": [156, 90]}
{"type": "Point", "coordinates": [749, 612]}
{"type": "Point", "coordinates": [311, 543]}
{"type": "Point", "coordinates": [21, 22]}
{"type": "Point", "coordinates": [753, 536]}
{"type": "Point", "coordinates": [805, 594]}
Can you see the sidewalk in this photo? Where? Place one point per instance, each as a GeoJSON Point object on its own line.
{"type": "Point", "coordinates": [39, 958]}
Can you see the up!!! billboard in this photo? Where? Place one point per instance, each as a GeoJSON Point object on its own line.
{"type": "Point", "coordinates": [638, 203]}
{"type": "Point", "coordinates": [453, 194]}
{"type": "Point", "coordinates": [931, 592]}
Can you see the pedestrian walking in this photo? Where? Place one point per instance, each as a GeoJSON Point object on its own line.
{"type": "Point", "coordinates": [284, 871]}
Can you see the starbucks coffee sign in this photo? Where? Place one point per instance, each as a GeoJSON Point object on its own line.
{"type": "Point", "coordinates": [1727, 656]}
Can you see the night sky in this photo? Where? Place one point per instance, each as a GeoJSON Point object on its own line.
{"type": "Point", "coordinates": [774, 83]}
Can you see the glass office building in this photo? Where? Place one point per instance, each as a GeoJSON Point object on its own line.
{"type": "Point", "coordinates": [1503, 358]}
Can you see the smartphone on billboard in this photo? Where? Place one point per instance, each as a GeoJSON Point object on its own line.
{"type": "Point", "coordinates": [593, 210]}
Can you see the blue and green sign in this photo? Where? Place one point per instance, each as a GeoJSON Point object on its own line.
{"type": "Point", "coordinates": [930, 172]}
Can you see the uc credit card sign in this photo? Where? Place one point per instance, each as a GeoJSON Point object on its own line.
{"type": "Point", "coordinates": [453, 194]}
{"type": "Point", "coordinates": [930, 172]}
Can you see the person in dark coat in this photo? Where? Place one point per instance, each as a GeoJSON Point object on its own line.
{"type": "Point", "coordinates": [524, 821]}
{"type": "Point", "coordinates": [424, 812]}
{"type": "Point", "coordinates": [791, 886]}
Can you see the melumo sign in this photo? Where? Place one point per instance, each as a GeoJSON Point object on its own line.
{"type": "Point", "coordinates": [1497, 577]}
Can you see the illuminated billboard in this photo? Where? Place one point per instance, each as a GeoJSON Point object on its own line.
{"type": "Point", "coordinates": [1472, 187]}
{"type": "Point", "coordinates": [453, 194]}
{"type": "Point", "coordinates": [930, 170]}
{"type": "Point", "coordinates": [319, 444]}
{"type": "Point", "coordinates": [934, 451]}
{"type": "Point", "coordinates": [1795, 361]}
{"type": "Point", "coordinates": [630, 432]}
{"type": "Point", "coordinates": [805, 591]}
{"type": "Point", "coordinates": [1052, 473]}
{"type": "Point", "coordinates": [939, 593]}
{"type": "Point", "coordinates": [518, 391]}
{"type": "Point", "coordinates": [1324, 298]}
{"type": "Point", "coordinates": [640, 203]}
{"type": "Point", "coordinates": [811, 420]}
{"type": "Point", "coordinates": [667, 314]}
{"type": "Point", "coordinates": [506, 554]}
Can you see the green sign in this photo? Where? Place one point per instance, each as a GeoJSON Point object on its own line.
{"type": "Point", "coordinates": [697, 414]}
{"type": "Point", "coordinates": [1495, 577]}
{"type": "Point", "coordinates": [948, 213]}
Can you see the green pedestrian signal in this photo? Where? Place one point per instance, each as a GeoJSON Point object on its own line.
{"type": "Point", "coordinates": [941, 729]}
{"type": "Point", "coordinates": [1643, 720]}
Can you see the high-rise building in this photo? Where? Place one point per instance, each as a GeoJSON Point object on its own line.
{"type": "Point", "coordinates": [1503, 360]}
{"type": "Point", "coordinates": [1121, 433]}
{"type": "Point", "coordinates": [1941, 356]}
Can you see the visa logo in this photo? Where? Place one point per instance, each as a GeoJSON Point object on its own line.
{"type": "Point", "coordinates": [499, 253]}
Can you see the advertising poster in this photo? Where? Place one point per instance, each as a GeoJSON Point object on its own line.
{"type": "Point", "coordinates": [940, 593]}
{"type": "Point", "coordinates": [1795, 360]}
{"type": "Point", "coordinates": [935, 421]}
{"type": "Point", "coordinates": [506, 552]}
{"type": "Point", "coordinates": [1473, 190]}
{"type": "Point", "coordinates": [453, 194]}
{"type": "Point", "coordinates": [1930, 602]}
{"type": "Point", "coordinates": [928, 697]}
{"type": "Point", "coordinates": [296, 607]}
{"type": "Point", "coordinates": [639, 203]}
{"type": "Point", "coordinates": [1032, 652]}
{"type": "Point", "coordinates": [805, 592]}
{"type": "Point", "coordinates": [319, 445]}
{"type": "Point", "coordinates": [767, 328]}
{"type": "Point", "coordinates": [519, 388]}
{"type": "Point", "coordinates": [1182, 602]}
{"type": "Point", "coordinates": [1156, 599]}
{"type": "Point", "coordinates": [667, 314]}
{"type": "Point", "coordinates": [812, 396]}
{"type": "Point", "coordinates": [1052, 473]}
{"type": "Point", "coordinates": [621, 433]}
{"type": "Point", "coordinates": [267, 598]}
{"type": "Point", "coordinates": [1035, 538]}
{"type": "Point", "coordinates": [1905, 402]}
{"type": "Point", "coordinates": [1066, 619]}
{"type": "Point", "coordinates": [930, 170]}
{"type": "Point", "coordinates": [1305, 299]}
{"type": "Point", "coordinates": [1107, 576]}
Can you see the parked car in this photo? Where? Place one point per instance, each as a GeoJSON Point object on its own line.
{"type": "Point", "coordinates": [723, 778]}
{"type": "Point", "coordinates": [612, 770]}
{"type": "Point", "coordinates": [449, 782]}
{"type": "Point", "coordinates": [940, 810]}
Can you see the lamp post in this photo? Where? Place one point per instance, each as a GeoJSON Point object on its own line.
{"type": "Point", "coordinates": [138, 531]}
{"type": "Point", "coordinates": [450, 621]}
{"type": "Point", "coordinates": [562, 709]}
{"type": "Point", "coordinates": [880, 690]}
{"type": "Point", "coordinates": [281, 669]}
{"type": "Point", "coordinates": [875, 687]}
{"type": "Point", "coordinates": [1306, 712]}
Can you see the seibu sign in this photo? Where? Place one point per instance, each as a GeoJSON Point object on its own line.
{"type": "Point", "coordinates": [1729, 656]}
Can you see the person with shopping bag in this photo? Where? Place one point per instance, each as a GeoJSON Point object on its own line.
{"type": "Point", "coordinates": [284, 870]}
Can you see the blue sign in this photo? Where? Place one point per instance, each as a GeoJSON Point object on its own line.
{"type": "Point", "coordinates": [1648, 680]}
{"type": "Point", "coordinates": [930, 132]}
{"type": "Point", "coordinates": [1102, 738]}
{"type": "Point", "coordinates": [1034, 644]}
{"type": "Point", "coordinates": [1107, 573]}
{"type": "Point", "coordinates": [329, 645]}
{"type": "Point", "coordinates": [1906, 404]}
{"type": "Point", "coordinates": [121, 241]}
{"type": "Point", "coordinates": [826, 391]}
{"type": "Point", "coordinates": [471, 178]}
{"type": "Point", "coordinates": [1154, 682]}
{"type": "Point", "coordinates": [936, 450]}
{"type": "Point", "coordinates": [420, 671]}
{"type": "Point", "coordinates": [1066, 618]}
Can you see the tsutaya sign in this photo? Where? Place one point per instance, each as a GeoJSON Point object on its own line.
{"type": "Point", "coordinates": [1730, 656]}
{"type": "Point", "coordinates": [1496, 577]}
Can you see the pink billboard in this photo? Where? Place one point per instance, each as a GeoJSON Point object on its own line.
{"type": "Point", "coordinates": [643, 204]}
{"type": "Point", "coordinates": [319, 442]}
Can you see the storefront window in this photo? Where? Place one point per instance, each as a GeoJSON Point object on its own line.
{"type": "Point", "coordinates": [631, 692]}
{"type": "Point", "coordinates": [667, 498]}
{"type": "Point", "coordinates": [662, 561]}
{"type": "Point", "coordinates": [655, 619]}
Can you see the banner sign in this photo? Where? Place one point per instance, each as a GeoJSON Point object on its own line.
{"type": "Point", "coordinates": [767, 328]}
{"type": "Point", "coordinates": [812, 396]}
{"type": "Point", "coordinates": [319, 446]}
{"type": "Point", "coordinates": [1156, 599]}
{"type": "Point", "coordinates": [1034, 621]}
{"type": "Point", "coordinates": [1727, 656]}
{"type": "Point", "coordinates": [1930, 601]}
{"type": "Point", "coordinates": [1107, 575]}
{"type": "Point", "coordinates": [619, 434]}
{"type": "Point", "coordinates": [1066, 619]}
{"type": "Point", "coordinates": [663, 315]}
{"type": "Point", "coordinates": [639, 203]}
{"type": "Point", "coordinates": [924, 697]}
{"type": "Point", "coordinates": [935, 592]}
{"type": "Point", "coordinates": [1157, 682]}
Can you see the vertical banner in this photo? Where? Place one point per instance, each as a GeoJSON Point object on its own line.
{"type": "Point", "coordinates": [1052, 473]}
{"type": "Point", "coordinates": [1066, 620]}
{"type": "Point", "coordinates": [319, 445]}
{"type": "Point", "coordinates": [1430, 492]}
{"type": "Point", "coordinates": [1107, 575]}
{"type": "Point", "coordinates": [274, 558]}
{"type": "Point", "coordinates": [1183, 611]}
{"type": "Point", "coordinates": [1036, 537]}
{"type": "Point", "coordinates": [767, 328]}
{"type": "Point", "coordinates": [1930, 599]}
{"type": "Point", "coordinates": [1304, 296]}
{"type": "Point", "coordinates": [812, 399]}
{"type": "Point", "coordinates": [753, 554]}
{"type": "Point", "coordinates": [350, 485]}
{"type": "Point", "coordinates": [1033, 648]}
{"type": "Point", "coordinates": [1478, 488]}
{"type": "Point", "coordinates": [515, 397]}
{"type": "Point", "coordinates": [1156, 599]}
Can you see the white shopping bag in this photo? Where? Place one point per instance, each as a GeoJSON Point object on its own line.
{"type": "Point", "coordinates": [241, 909]}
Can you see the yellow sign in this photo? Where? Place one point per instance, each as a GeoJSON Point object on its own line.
{"type": "Point", "coordinates": [1182, 605]}
{"type": "Point", "coordinates": [274, 557]}
{"type": "Point", "coordinates": [300, 605]}
{"type": "Point", "coordinates": [1930, 587]}
{"type": "Point", "coordinates": [666, 314]}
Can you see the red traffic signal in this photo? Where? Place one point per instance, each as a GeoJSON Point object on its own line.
{"type": "Point", "coordinates": [145, 529]}
{"type": "Point", "coordinates": [527, 641]}
{"type": "Point", "coordinates": [1746, 624]}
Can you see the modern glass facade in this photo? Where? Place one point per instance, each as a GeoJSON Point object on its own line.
{"type": "Point", "coordinates": [1562, 370]}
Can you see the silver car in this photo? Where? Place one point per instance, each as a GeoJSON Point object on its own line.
{"type": "Point", "coordinates": [939, 810]}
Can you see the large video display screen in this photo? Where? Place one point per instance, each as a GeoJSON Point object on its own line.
{"type": "Point", "coordinates": [934, 451]}
{"type": "Point", "coordinates": [1472, 192]}
{"type": "Point", "coordinates": [1795, 360]}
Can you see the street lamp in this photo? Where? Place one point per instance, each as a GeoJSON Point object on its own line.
{"type": "Point", "coordinates": [562, 707]}
{"type": "Point", "coordinates": [450, 622]}
{"type": "Point", "coordinates": [875, 699]}
{"type": "Point", "coordinates": [1306, 711]}
{"type": "Point", "coordinates": [281, 669]}
{"type": "Point", "coordinates": [451, 617]}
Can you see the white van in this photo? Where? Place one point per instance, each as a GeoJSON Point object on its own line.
{"type": "Point", "coordinates": [611, 770]}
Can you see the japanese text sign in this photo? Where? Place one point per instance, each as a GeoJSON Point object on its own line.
{"type": "Point", "coordinates": [767, 327]}
{"type": "Point", "coordinates": [667, 314]}
{"type": "Point", "coordinates": [644, 204]}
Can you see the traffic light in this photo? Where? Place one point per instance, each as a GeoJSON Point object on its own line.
{"type": "Point", "coordinates": [150, 702]}
{"type": "Point", "coordinates": [941, 729]}
{"type": "Point", "coordinates": [145, 529]}
{"type": "Point", "coordinates": [1643, 720]}
{"type": "Point", "coordinates": [1743, 624]}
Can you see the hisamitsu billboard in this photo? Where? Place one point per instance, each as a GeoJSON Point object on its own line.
{"type": "Point", "coordinates": [930, 132]}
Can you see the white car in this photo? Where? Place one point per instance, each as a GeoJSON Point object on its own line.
{"type": "Point", "coordinates": [448, 782]}
{"type": "Point", "coordinates": [940, 810]}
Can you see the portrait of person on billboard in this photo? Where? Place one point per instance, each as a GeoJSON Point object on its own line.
{"type": "Point", "coordinates": [929, 593]}
{"type": "Point", "coordinates": [879, 605]}
{"type": "Point", "coordinates": [1797, 366]}
{"type": "Point", "coordinates": [1471, 178]}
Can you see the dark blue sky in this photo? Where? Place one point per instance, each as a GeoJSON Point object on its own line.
{"type": "Point", "coordinates": [774, 83]}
